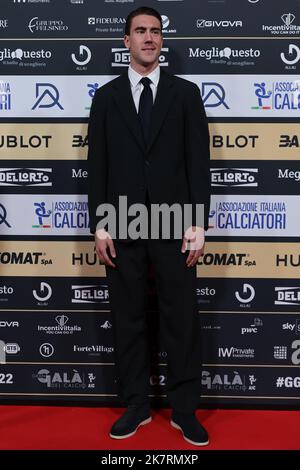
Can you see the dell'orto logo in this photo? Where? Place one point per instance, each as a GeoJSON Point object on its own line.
{"type": "Point", "coordinates": [121, 57]}
{"type": "Point", "coordinates": [90, 294]}
{"type": "Point", "coordinates": [287, 296]}
{"type": "Point", "coordinates": [213, 95]}
{"type": "Point", "coordinates": [84, 56]}
{"type": "Point", "coordinates": [248, 294]}
{"type": "Point", "coordinates": [293, 55]}
{"type": "Point", "coordinates": [44, 294]}
{"type": "Point", "coordinates": [25, 176]}
{"type": "Point", "coordinates": [234, 177]}
{"type": "Point", "coordinates": [47, 96]}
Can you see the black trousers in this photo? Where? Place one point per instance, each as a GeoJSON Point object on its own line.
{"type": "Point", "coordinates": [179, 321]}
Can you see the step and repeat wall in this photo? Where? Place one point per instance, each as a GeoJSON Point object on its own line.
{"type": "Point", "coordinates": [56, 330]}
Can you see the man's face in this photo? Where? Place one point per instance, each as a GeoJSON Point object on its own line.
{"type": "Point", "coordinates": [144, 41]}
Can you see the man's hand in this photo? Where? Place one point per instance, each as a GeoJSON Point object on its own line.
{"type": "Point", "coordinates": [103, 242]}
{"type": "Point", "coordinates": [194, 241]}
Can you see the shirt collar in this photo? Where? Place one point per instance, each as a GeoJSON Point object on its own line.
{"type": "Point", "coordinates": [135, 77]}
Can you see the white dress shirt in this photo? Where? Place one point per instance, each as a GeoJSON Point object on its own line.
{"type": "Point", "coordinates": [137, 87]}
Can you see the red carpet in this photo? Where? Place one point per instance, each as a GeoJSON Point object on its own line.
{"type": "Point", "coordinates": [75, 428]}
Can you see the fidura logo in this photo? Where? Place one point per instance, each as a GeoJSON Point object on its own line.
{"type": "Point", "coordinates": [234, 177]}
{"type": "Point", "coordinates": [62, 215]}
{"type": "Point", "coordinates": [280, 96]}
{"type": "Point", "coordinates": [25, 176]}
{"type": "Point", "coordinates": [90, 294]}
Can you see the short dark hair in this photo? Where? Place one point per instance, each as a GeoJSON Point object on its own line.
{"type": "Point", "coordinates": [141, 11]}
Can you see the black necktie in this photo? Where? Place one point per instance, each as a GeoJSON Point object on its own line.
{"type": "Point", "coordinates": [145, 107]}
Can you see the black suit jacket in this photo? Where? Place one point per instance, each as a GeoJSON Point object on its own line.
{"type": "Point", "coordinates": [173, 167]}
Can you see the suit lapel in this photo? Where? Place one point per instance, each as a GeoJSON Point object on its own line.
{"type": "Point", "coordinates": [124, 100]}
{"type": "Point", "coordinates": [163, 100]}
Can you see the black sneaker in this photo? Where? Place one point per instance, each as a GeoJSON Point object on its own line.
{"type": "Point", "coordinates": [134, 417]}
{"type": "Point", "coordinates": [193, 432]}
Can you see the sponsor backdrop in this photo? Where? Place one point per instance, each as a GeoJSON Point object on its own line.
{"type": "Point", "coordinates": [56, 330]}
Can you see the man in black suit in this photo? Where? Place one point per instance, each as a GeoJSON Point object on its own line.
{"type": "Point", "coordinates": [148, 141]}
